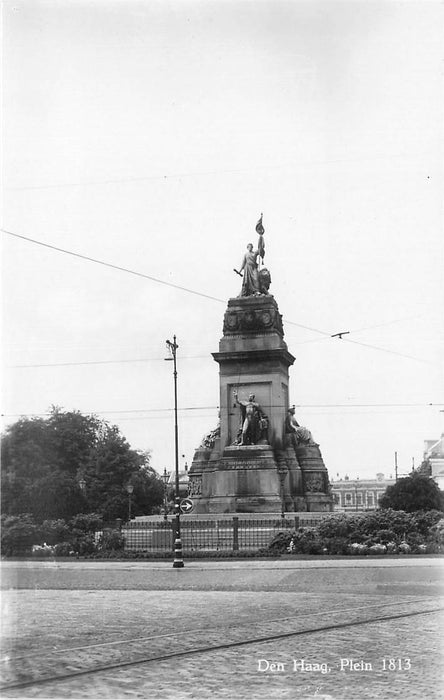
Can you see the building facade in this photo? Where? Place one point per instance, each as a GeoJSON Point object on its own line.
{"type": "Point", "coordinates": [359, 494]}
{"type": "Point", "coordinates": [433, 464]}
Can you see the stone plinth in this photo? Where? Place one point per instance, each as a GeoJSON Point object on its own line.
{"type": "Point", "coordinates": [244, 480]}
{"type": "Point", "coordinates": [314, 477]}
{"type": "Point", "coordinates": [253, 358]}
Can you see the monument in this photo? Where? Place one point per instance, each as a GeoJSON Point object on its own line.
{"type": "Point", "coordinates": [258, 459]}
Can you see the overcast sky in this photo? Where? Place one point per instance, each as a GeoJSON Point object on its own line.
{"type": "Point", "coordinates": [151, 135]}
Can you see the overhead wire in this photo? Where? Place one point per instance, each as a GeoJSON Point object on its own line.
{"type": "Point", "coordinates": [215, 408]}
{"type": "Point", "coordinates": [104, 362]}
{"type": "Point", "coordinates": [111, 265]}
{"type": "Point", "coordinates": [192, 291]}
{"type": "Point", "coordinates": [205, 173]}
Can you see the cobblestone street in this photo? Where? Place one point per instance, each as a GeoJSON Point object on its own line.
{"type": "Point", "coordinates": [314, 619]}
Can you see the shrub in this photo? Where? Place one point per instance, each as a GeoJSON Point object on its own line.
{"type": "Point", "coordinates": [357, 548]}
{"type": "Point", "coordinates": [307, 541]}
{"type": "Point", "coordinates": [82, 528]}
{"type": "Point", "coordinates": [435, 536]}
{"type": "Point", "coordinates": [384, 536]}
{"type": "Point", "coordinates": [19, 533]}
{"type": "Point", "coordinates": [405, 548]}
{"type": "Point", "coordinates": [425, 519]}
{"type": "Point", "coordinates": [44, 550]}
{"type": "Point", "coordinates": [54, 531]}
{"type": "Point", "coordinates": [377, 549]}
{"type": "Point", "coordinates": [86, 522]}
{"type": "Point", "coordinates": [64, 549]}
{"type": "Point", "coordinates": [338, 525]}
{"type": "Point", "coordinates": [395, 521]}
{"type": "Point", "coordinates": [111, 540]}
{"type": "Point", "coordinates": [336, 545]}
{"type": "Point", "coordinates": [84, 544]}
{"type": "Point", "coordinates": [433, 548]}
{"type": "Point", "coordinates": [415, 540]}
{"type": "Point", "coordinates": [280, 542]}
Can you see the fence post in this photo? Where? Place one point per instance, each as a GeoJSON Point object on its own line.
{"type": "Point", "coordinates": [235, 533]}
{"type": "Point", "coordinates": [296, 522]}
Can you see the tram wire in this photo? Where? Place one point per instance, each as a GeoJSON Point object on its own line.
{"type": "Point", "coordinates": [136, 273]}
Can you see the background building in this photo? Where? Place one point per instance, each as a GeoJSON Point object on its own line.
{"type": "Point", "coordinates": [183, 482]}
{"type": "Point", "coordinates": [433, 464]}
{"type": "Point", "coordinates": [359, 494]}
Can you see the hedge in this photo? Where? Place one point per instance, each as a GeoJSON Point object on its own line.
{"type": "Point", "coordinates": [378, 532]}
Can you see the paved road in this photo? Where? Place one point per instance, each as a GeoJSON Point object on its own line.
{"type": "Point", "coordinates": [78, 614]}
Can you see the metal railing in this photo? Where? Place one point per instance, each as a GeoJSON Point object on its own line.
{"type": "Point", "coordinates": [211, 535]}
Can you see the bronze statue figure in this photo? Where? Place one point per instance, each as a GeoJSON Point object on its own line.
{"type": "Point", "coordinates": [250, 282]}
{"type": "Point", "coordinates": [254, 422]}
{"type": "Point", "coordinates": [254, 281]}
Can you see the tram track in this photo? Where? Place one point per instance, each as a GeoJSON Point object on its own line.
{"type": "Point", "coordinates": [38, 668]}
{"type": "Point", "coordinates": [150, 638]}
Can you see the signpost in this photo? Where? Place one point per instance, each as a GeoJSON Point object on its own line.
{"type": "Point", "coordinates": [186, 505]}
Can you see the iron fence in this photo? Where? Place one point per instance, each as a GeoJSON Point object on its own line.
{"type": "Point", "coordinates": [212, 535]}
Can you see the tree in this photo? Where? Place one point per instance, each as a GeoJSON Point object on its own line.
{"type": "Point", "coordinates": [412, 493]}
{"type": "Point", "coordinates": [43, 461]}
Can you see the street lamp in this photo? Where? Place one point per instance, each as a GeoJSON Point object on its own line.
{"type": "Point", "coordinates": [178, 560]}
{"type": "Point", "coordinates": [165, 478]}
{"type": "Point", "coordinates": [130, 489]}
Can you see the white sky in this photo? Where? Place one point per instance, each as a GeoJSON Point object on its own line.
{"type": "Point", "coordinates": [151, 135]}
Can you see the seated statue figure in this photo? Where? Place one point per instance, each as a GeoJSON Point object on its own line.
{"type": "Point", "coordinates": [297, 433]}
{"type": "Point", "coordinates": [264, 281]}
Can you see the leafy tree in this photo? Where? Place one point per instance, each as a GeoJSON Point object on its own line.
{"type": "Point", "coordinates": [43, 461]}
{"type": "Point", "coordinates": [412, 493]}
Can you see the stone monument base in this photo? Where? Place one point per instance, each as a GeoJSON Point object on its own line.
{"type": "Point", "coordinates": [258, 479]}
{"type": "Point", "coordinates": [244, 480]}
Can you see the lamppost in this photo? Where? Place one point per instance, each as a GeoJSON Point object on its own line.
{"type": "Point", "coordinates": [178, 560]}
{"type": "Point", "coordinates": [165, 478]}
{"type": "Point", "coordinates": [282, 472]}
{"type": "Point", "coordinates": [130, 489]}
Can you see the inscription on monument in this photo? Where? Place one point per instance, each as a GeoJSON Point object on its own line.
{"type": "Point", "coordinates": [245, 464]}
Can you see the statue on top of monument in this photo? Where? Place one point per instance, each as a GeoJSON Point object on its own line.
{"type": "Point", "coordinates": [297, 433]}
{"type": "Point", "coordinates": [254, 421]}
{"type": "Point", "coordinates": [255, 280]}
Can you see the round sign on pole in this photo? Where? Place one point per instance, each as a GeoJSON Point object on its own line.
{"type": "Point", "coordinates": [186, 505]}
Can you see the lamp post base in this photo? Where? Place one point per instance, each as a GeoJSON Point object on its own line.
{"type": "Point", "coordinates": [178, 558]}
{"type": "Point", "coordinates": [178, 561]}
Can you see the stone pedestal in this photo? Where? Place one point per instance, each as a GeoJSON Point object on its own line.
{"type": "Point", "coordinates": [314, 478]}
{"type": "Point", "coordinates": [253, 358]}
{"type": "Point", "coordinates": [245, 480]}
{"type": "Point", "coordinates": [270, 476]}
